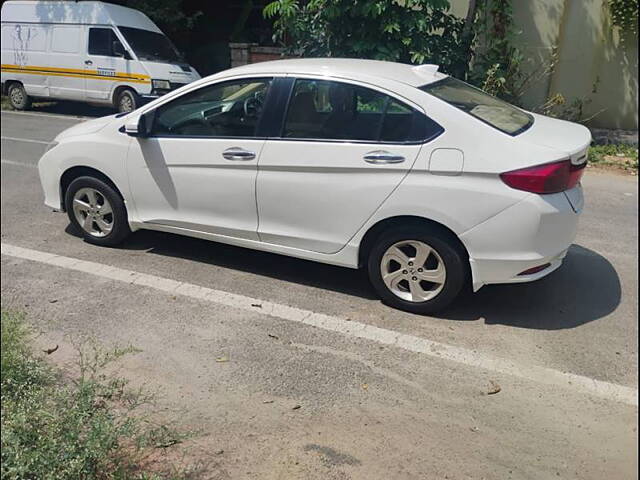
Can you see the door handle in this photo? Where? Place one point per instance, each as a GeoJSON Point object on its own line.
{"type": "Point", "coordinates": [237, 153]}
{"type": "Point", "coordinates": [88, 62]}
{"type": "Point", "coordinates": [381, 157]}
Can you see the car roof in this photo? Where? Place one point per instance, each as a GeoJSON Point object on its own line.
{"type": "Point", "coordinates": [414, 75]}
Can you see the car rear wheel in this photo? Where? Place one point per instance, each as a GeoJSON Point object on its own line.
{"type": "Point", "coordinates": [18, 97]}
{"type": "Point", "coordinates": [127, 101]}
{"type": "Point", "coordinates": [97, 211]}
{"type": "Point", "coordinates": [419, 270]}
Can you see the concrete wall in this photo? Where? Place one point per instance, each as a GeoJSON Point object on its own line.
{"type": "Point", "coordinates": [594, 62]}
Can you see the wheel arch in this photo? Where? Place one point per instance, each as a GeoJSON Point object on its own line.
{"type": "Point", "coordinates": [72, 173]}
{"type": "Point", "coordinates": [375, 231]}
{"type": "Point", "coordinates": [7, 83]}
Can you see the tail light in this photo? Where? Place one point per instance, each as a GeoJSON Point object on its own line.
{"type": "Point", "coordinates": [548, 178]}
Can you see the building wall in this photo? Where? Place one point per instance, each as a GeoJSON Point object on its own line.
{"type": "Point", "coordinates": [594, 62]}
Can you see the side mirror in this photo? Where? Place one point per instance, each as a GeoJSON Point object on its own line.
{"type": "Point", "coordinates": [139, 125]}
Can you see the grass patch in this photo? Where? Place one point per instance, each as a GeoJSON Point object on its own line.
{"type": "Point", "coordinates": [615, 156]}
{"type": "Point", "coordinates": [86, 428]}
{"type": "Point", "coordinates": [5, 105]}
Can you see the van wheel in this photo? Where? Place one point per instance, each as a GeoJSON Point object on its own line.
{"type": "Point", "coordinates": [127, 101]}
{"type": "Point", "coordinates": [18, 97]}
{"type": "Point", "coordinates": [97, 211]}
{"type": "Point", "coordinates": [419, 270]}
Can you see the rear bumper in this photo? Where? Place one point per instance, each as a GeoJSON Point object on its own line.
{"type": "Point", "coordinates": [535, 231]}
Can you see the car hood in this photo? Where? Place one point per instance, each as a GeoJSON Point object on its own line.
{"type": "Point", "coordinates": [85, 128]}
{"type": "Point", "coordinates": [169, 71]}
{"type": "Point", "coordinates": [567, 137]}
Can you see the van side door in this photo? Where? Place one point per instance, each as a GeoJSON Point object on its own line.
{"type": "Point", "coordinates": [64, 64]}
{"type": "Point", "coordinates": [105, 63]}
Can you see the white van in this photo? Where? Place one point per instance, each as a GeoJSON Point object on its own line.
{"type": "Point", "coordinates": [86, 51]}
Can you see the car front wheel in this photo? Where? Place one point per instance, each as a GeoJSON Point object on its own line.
{"type": "Point", "coordinates": [419, 270]}
{"type": "Point", "coordinates": [97, 211]}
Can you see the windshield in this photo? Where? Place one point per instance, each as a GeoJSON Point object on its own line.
{"type": "Point", "coordinates": [497, 113]}
{"type": "Point", "coordinates": [151, 46]}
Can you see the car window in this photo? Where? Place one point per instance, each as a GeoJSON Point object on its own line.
{"type": "Point", "coordinates": [101, 41]}
{"type": "Point", "coordinates": [497, 113]}
{"type": "Point", "coordinates": [322, 109]}
{"type": "Point", "coordinates": [230, 109]}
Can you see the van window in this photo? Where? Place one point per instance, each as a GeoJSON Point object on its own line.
{"type": "Point", "coordinates": [151, 46]}
{"type": "Point", "coordinates": [65, 39]}
{"type": "Point", "coordinates": [101, 41]}
{"type": "Point", "coordinates": [26, 38]}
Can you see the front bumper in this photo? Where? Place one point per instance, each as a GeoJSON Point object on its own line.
{"type": "Point", "coordinates": [536, 231]}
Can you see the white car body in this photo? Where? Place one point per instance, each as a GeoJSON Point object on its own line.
{"type": "Point", "coordinates": [47, 47]}
{"type": "Point", "coordinates": [318, 199]}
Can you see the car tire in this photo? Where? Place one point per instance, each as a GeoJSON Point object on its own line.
{"type": "Point", "coordinates": [97, 211]}
{"type": "Point", "coordinates": [18, 97]}
{"type": "Point", "coordinates": [127, 101]}
{"type": "Point", "coordinates": [402, 281]}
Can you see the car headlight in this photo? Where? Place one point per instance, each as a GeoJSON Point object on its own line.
{"type": "Point", "coordinates": [161, 84]}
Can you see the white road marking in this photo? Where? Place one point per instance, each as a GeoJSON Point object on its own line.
{"type": "Point", "coordinates": [19, 164]}
{"type": "Point", "coordinates": [71, 118]}
{"type": "Point", "coordinates": [28, 140]}
{"type": "Point", "coordinates": [549, 376]}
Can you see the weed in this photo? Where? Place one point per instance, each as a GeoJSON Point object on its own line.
{"type": "Point", "coordinates": [54, 428]}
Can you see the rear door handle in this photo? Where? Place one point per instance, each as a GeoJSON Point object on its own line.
{"type": "Point", "coordinates": [381, 157]}
{"type": "Point", "coordinates": [237, 153]}
{"type": "Point", "coordinates": [88, 62]}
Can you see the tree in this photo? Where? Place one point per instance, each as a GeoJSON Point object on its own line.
{"type": "Point", "coordinates": [409, 31]}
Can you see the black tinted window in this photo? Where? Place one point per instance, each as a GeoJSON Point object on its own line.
{"type": "Point", "coordinates": [151, 46]}
{"type": "Point", "coordinates": [321, 109]}
{"type": "Point", "coordinates": [230, 109]}
{"type": "Point", "coordinates": [101, 41]}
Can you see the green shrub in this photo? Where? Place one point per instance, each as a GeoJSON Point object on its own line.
{"type": "Point", "coordinates": [54, 428]}
{"type": "Point", "coordinates": [619, 156]}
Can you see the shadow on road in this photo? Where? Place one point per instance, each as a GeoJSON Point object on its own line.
{"type": "Point", "coordinates": [584, 289]}
{"type": "Point", "coordinates": [71, 108]}
{"type": "Point", "coordinates": [304, 272]}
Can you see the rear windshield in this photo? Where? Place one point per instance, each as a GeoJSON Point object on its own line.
{"type": "Point", "coordinates": [489, 109]}
{"type": "Point", "coordinates": [151, 46]}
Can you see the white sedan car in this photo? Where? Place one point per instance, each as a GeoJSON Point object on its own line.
{"type": "Point", "coordinates": [427, 182]}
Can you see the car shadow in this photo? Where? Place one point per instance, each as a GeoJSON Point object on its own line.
{"type": "Point", "coordinates": [281, 267]}
{"type": "Point", "coordinates": [584, 289]}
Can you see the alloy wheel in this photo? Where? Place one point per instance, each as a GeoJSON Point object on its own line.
{"type": "Point", "coordinates": [413, 271]}
{"type": "Point", "coordinates": [93, 212]}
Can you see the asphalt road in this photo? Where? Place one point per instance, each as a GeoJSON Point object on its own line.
{"type": "Point", "coordinates": [369, 408]}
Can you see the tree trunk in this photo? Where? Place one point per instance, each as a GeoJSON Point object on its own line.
{"type": "Point", "coordinates": [467, 38]}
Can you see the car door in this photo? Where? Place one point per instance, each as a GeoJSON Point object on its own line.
{"type": "Point", "coordinates": [197, 170]}
{"type": "Point", "coordinates": [104, 61]}
{"type": "Point", "coordinates": [66, 70]}
{"type": "Point", "coordinates": [342, 151]}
